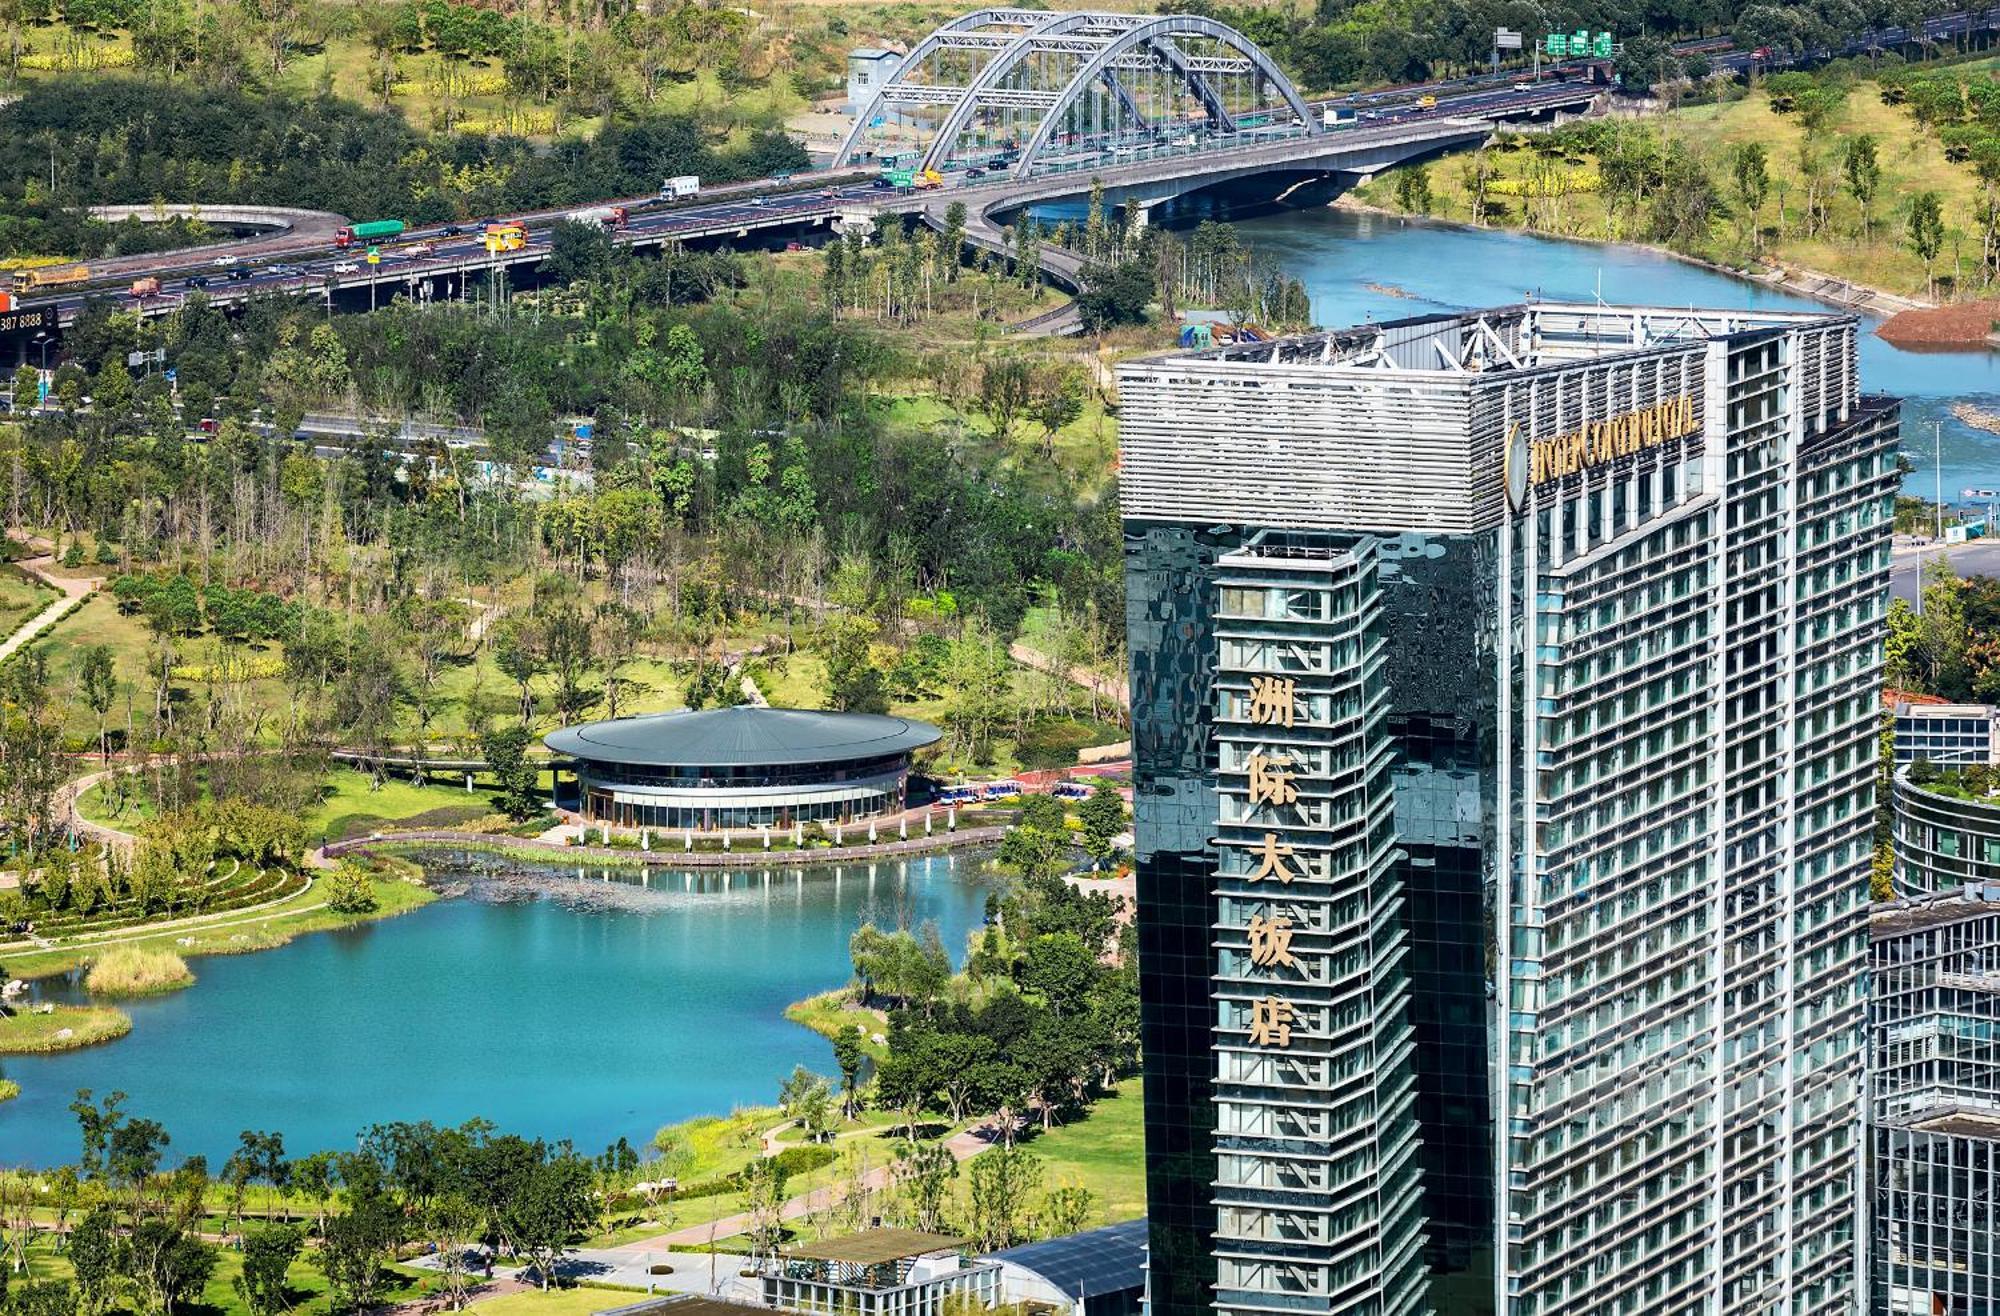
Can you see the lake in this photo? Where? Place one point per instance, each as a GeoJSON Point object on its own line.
{"type": "Point", "coordinates": [600, 1012]}
{"type": "Point", "coordinates": [598, 1022]}
{"type": "Point", "coordinates": [1361, 267]}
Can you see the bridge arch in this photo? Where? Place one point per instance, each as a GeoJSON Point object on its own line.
{"type": "Point", "coordinates": [1049, 92]}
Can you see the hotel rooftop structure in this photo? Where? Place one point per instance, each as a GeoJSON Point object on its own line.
{"type": "Point", "coordinates": [1505, 696]}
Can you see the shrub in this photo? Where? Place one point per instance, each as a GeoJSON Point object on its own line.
{"type": "Point", "coordinates": [135, 971]}
{"type": "Point", "coordinates": [348, 890]}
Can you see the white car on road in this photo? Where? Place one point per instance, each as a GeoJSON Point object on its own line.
{"type": "Point", "coordinates": [346, 267]}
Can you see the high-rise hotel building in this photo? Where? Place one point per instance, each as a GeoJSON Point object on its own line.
{"type": "Point", "coordinates": [1505, 695]}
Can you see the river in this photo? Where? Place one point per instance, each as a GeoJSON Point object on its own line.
{"type": "Point", "coordinates": [1358, 267]}
{"type": "Point", "coordinates": [592, 1014]}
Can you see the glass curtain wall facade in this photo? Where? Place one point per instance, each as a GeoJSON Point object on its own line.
{"type": "Point", "coordinates": [1631, 568]}
{"type": "Point", "coordinates": [1935, 1018]}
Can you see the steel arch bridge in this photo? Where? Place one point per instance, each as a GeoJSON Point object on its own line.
{"type": "Point", "coordinates": [1036, 93]}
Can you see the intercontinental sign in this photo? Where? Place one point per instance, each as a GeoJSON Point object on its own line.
{"type": "Point", "coordinates": [1537, 461]}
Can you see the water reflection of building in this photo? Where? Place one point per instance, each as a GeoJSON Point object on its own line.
{"type": "Point", "coordinates": [1505, 693]}
{"type": "Point", "coordinates": [1935, 1017]}
{"type": "Point", "coordinates": [739, 767]}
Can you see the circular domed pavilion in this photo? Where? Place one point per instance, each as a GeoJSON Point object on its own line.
{"type": "Point", "coordinates": [740, 767]}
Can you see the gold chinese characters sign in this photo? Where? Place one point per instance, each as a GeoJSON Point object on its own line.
{"type": "Point", "coordinates": [1596, 442]}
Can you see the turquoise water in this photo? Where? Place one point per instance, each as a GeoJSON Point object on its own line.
{"type": "Point", "coordinates": [596, 1023]}
{"type": "Point", "coordinates": [590, 1014]}
{"type": "Point", "coordinates": [1361, 267]}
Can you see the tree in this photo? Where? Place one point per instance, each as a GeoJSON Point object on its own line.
{"type": "Point", "coordinates": [554, 1202]}
{"type": "Point", "coordinates": [1059, 969]}
{"type": "Point", "coordinates": [1641, 62]}
{"type": "Point", "coordinates": [349, 889]}
{"type": "Point", "coordinates": [923, 1172]}
{"type": "Point", "coordinates": [268, 1255]}
{"type": "Point", "coordinates": [96, 1256]}
{"type": "Point", "coordinates": [1927, 233]}
{"type": "Point", "coordinates": [450, 1224]}
{"type": "Point", "coordinates": [1103, 817]}
{"type": "Point", "coordinates": [1057, 401]}
{"type": "Point", "coordinates": [1413, 190]}
{"type": "Point", "coordinates": [853, 681]}
{"type": "Point", "coordinates": [1863, 170]}
{"type": "Point", "coordinates": [1749, 166]}
{"type": "Point", "coordinates": [1037, 845]}
{"type": "Point", "coordinates": [355, 1243]}
{"type": "Point", "coordinates": [506, 751]}
{"type": "Point", "coordinates": [313, 1176]}
{"type": "Point", "coordinates": [169, 1264]}
{"type": "Point", "coordinates": [1006, 387]}
{"type": "Point", "coordinates": [848, 1056]}
{"type": "Point", "coordinates": [1115, 297]}
{"type": "Point", "coordinates": [1002, 1180]}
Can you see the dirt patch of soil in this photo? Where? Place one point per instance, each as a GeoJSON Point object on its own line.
{"type": "Point", "coordinates": [1966, 324]}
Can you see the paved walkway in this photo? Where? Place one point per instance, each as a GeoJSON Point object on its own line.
{"type": "Point", "coordinates": [71, 589]}
{"type": "Point", "coordinates": [963, 1146]}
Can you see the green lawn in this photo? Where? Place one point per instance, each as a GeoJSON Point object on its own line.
{"type": "Point", "coordinates": [555, 1302]}
{"type": "Point", "coordinates": [38, 1034]}
{"type": "Point", "coordinates": [1104, 1152]}
{"type": "Point", "coordinates": [21, 597]}
{"type": "Point", "coordinates": [354, 806]}
{"type": "Point", "coordinates": [219, 1297]}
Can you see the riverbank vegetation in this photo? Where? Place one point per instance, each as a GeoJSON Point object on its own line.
{"type": "Point", "coordinates": [1884, 176]}
{"type": "Point", "coordinates": [45, 1029]}
{"type": "Point", "coordinates": [135, 971]}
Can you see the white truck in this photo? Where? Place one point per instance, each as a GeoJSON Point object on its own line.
{"type": "Point", "coordinates": [607, 216]}
{"type": "Point", "coordinates": [680, 186]}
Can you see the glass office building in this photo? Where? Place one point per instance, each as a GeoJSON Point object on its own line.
{"type": "Point", "coordinates": [1935, 1017]}
{"type": "Point", "coordinates": [1504, 694]}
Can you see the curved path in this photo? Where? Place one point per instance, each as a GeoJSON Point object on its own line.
{"type": "Point", "coordinates": [73, 590]}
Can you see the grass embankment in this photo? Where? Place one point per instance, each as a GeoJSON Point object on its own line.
{"type": "Point", "coordinates": [65, 1028]}
{"type": "Point", "coordinates": [232, 933]}
{"type": "Point", "coordinates": [829, 1012]}
{"type": "Point", "coordinates": [137, 971]}
{"type": "Point", "coordinates": [1525, 192]}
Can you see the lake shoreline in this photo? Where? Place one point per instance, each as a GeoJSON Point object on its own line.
{"type": "Point", "coordinates": [1830, 289]}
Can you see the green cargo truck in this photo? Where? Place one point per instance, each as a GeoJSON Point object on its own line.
{"type": "Point", "coordinates": [349, 234]}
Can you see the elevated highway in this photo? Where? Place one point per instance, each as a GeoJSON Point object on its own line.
{"type": "Point", "coordinates": [1043, 107]}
